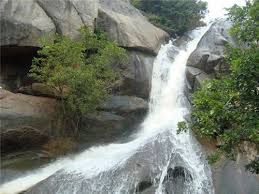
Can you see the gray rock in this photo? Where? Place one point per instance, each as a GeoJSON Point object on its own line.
{"type": "Point", "coordinates": [103, 121]}
{"type": "Point", "coordinates": [105, 116]}
{"type": "Point", "coordinates": [231, 177]}
{"type": "Point", "coordinates": [101, 127]}
{"type": "Point", "coordinates": [208, 57]}
{"type": "Point", "coordinates": [191, 73]}
{"type": "Point", "coordinates": [136, 75]}
{"type": "Point", "coordinates": [24, 22]}
{"type": "Point", "coordinates": [115, 119]}
{"type": "Point", "coordinates": [124, 104]}
{"type": "Point", "coordinates": [128, 27]}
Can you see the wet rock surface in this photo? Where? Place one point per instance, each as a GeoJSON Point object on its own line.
{"type": "Point", "coordinates": [140, 172]}
{"type": "Point", "coordinates": [176, 180]}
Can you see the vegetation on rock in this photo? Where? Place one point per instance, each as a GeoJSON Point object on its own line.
{"type": "Point", "coordinates": [80, 71]}
{"type": "Point", "coordinates": [228, 108]}
{"type": "Point", "coordinates": [174, 16]}
{"type": "Point", "coordinates": [59, 146]}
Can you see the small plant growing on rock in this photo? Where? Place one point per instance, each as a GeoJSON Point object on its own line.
{"type": "Point", "coordinates": [80, 72]}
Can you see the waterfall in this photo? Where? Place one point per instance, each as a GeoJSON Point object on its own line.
{"type": "Point", "coordinates": [157, 160]}
{"type": "Point", "coordinates": [119, 168]}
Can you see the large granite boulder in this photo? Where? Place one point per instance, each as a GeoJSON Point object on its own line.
{"type": "Point", "coordinates": [128, 27]}
{"type": "Point", "coordinates": [24, 22]}
{"type": "Point", "coordinates": [207, 60]}
{"type": "Point", "coordinates": [26, 120]}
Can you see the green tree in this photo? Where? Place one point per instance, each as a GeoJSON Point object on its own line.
{"type": "Point", "coordinates": [80, 72]}
{"type": "Point", "coordinates": [174, 16]}
{"type": "Point", "coordinates": [228, 108]}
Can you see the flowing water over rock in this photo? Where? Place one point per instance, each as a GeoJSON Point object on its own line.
{"type": "Point", "coordinates": [157, 160]}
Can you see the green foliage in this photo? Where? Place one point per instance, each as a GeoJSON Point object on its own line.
{"type": "Point", "coordinates": [174, 16]}
{"type": "Point", "coordinates": [246, 22]}
{"type": "Point", "coordinates": [213, 158]}
{"type": "Point", "coordinates": [253, 166]}
{"type": "Point", "coordinates": [80, 71]}
{"type": "Point", "coordinates": [182, 127]}
{"type": "Point", "coordinates": [228, 108]}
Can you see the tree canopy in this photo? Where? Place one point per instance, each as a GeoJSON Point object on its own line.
{"type": "Point", "coordinates": [173, 16]}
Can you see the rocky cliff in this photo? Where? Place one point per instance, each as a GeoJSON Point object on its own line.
{"type": "Point", "coordinates": [24, 22]}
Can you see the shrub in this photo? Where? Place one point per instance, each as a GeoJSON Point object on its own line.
{"type": "Point", "coordinates": [80, 72]}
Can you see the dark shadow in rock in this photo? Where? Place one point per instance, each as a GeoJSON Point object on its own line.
{"type": "Point", "coordinates": [178, 172]}
{"type": "Point", "coordinates": [14, 66]}
{"type": "Point", "coordinates": [143, 185]}
{"type": "Point", "coordinates": [176, 180]}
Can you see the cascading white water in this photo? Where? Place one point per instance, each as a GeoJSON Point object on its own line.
{"type": "Point", "coordinates": [156, 148]}
{"type": "Point", "coordinates": [166, 110]}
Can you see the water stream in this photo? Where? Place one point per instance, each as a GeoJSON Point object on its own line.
{"type": "Point", "coordinates": [158, 160]}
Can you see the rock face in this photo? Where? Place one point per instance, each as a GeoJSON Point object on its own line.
{"type": "Point", "coordinates": [25, 120]}
{"type": "Point", "coordinates": [136, 75]}
{"type": "Point", "coordinates": [128, 27]}
{"type": "Point", "coordinates": [208, 58]}
{"type": "Point", "coordinates": [25, 21]}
